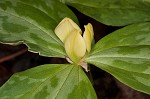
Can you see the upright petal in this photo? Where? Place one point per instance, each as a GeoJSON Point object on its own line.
{"type": "Point", "coordinates": [75, 46]}
{"type": "Point", "coordinates": [65, 27]}
{"type": "Point", "coordinates": [88, 36]}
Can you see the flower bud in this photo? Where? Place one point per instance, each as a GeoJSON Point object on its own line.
{"type": "Point", "coordinates": [75, 45]}
{"type": "Point", "coordinates": [88, 36]}
{"type": "Point", "coordinates": [65, 27]}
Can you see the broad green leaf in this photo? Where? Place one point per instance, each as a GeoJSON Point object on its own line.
{"type": "Point", "coordinates": [135, 80]}
{"type": "Point", "coordinates": [49, 82]}
{"type": "Point", "coordinates": [33, 22]}
{"type": "Point", "coordinates": [129, 64]}
{"type": "Point", "coordinates": [136, 34]}
{"type": "Point", "coordinates": [114, 12]}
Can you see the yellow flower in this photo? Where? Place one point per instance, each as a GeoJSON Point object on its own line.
{"type": "Point", "coordinates": [75, 45]}
{"type": "Point", "coordinates": [65, 27]}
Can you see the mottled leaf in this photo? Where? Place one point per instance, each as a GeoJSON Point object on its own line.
{"type": "Point", "coordinates": [114, 12]}
{"type": "Point", "coordinates": [125, 54]}
{"type": "Point", "coordinates": [49, 82]}
{"type": "Point", "coordinates": [136, 34]}
{"type": "Point", "coordinates": [33, 22]}
{"type": "Point", "coordinates": [129, 64]}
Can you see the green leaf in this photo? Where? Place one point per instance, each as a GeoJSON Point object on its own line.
{"type": "Point", "coordinates": [32, 22]}
{"type": "Point", "coordinates": [138, 81]}
{"type": "Point", "coordinates": [129, 64]}
{"type": "Point", "coordinates": [49, 82]}
{"type": "Point", "coordinates": [136, 34]}
{"type": "Point", "coordinates": [125, 54]}
{"type": "Point", "coordinates": [114, 12]}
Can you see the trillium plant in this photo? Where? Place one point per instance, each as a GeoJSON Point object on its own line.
{"type": "Point", "coordinates": [50, 28]}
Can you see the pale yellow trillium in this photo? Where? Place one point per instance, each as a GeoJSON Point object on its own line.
{"type": "Point", "coordinates": [76, 46]}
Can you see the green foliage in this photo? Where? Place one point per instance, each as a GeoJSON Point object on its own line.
{"type": "Point", "coordinates": [136, 34]}
{"type": "Point", "coordinates": [124, 53]}
{"type": "Point", "coordinates": [129, 64]}
{"type": "Point", "coordinates": [114, 12]}
{"type": "Point", "coordinates": [49, 82]}
{"type": "Point", "coordinates": [32, 22]}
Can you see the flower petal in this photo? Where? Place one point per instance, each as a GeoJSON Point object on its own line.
{"type": "Point", "coordinates": [75, 46]}
{"type": "Point", "coordinates": [65, 27]}
{"type": "Point", "coordinates": [88, 36]}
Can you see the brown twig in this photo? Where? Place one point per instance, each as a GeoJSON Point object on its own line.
{"type": "Point", "coordinates": [6, 58]}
